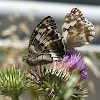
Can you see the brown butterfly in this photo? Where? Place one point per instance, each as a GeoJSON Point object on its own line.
{"type": "Point", "coordinates": [47, 45]}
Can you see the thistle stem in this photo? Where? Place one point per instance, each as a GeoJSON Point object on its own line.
{"type": "Point", "coordinates": [15, 97]}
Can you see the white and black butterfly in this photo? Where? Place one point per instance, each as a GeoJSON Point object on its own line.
{"type": "Point", "coordinates": [47, 45]}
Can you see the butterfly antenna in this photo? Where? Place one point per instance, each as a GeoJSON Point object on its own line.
{"type": "Point", "coordinates": [19, 64]}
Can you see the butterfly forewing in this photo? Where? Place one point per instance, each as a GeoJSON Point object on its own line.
{"type": "Point", "coordinates": [76, 30]}
{"type": "Point", "coordinates": [45, 44]}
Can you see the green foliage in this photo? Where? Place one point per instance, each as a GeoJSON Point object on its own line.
{"type": "Point", "coordinates": [68, 88]}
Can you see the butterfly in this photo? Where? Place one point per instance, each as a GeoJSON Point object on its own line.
{"type": "Point", "coordinates": [47, 45]}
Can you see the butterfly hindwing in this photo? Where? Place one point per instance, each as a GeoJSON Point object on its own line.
{"type": "Point", "coordinates": [45, 44]}
{"type": "Point", "coordinates": [76, 30]}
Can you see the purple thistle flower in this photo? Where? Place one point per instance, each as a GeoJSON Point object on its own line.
{"type": "Point", "coordinates": [72, 61]}
{"type": "Point", "coordinates": [83, 74]}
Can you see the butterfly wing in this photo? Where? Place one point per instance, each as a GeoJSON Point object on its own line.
{"type": "Point", "coordinates": [76, 30]}
{"type": "Point", "coordinates": [45, 45]}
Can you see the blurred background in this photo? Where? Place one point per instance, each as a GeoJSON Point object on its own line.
{"type": "Point", "coordinates": [19, 18]}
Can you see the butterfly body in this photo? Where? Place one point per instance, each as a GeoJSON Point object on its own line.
{"type": "Point", "coordinates": [47, 45]}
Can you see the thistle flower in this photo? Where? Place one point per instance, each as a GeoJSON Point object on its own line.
{"type": "Point", "coordinates": [13, 83]}
{"type": "Point", "coordinates": [49, 79]}
{"type": "Point", "coordinates": [74, 61]}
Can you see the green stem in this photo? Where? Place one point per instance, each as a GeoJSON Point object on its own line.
{"type": "Point", "coordinates": [15, 97]}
